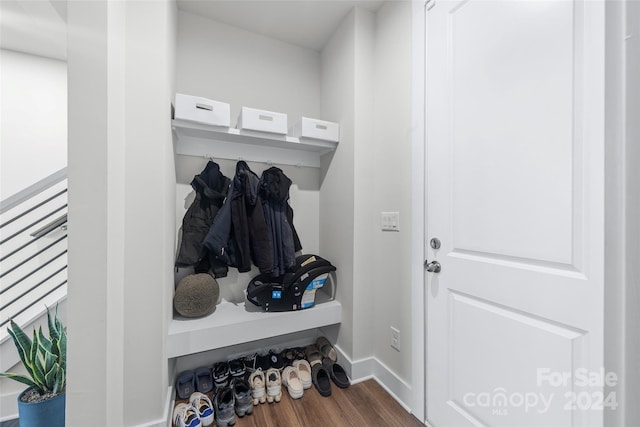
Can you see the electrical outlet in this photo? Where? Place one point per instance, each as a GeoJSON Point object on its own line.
{"type": "Point", "coordinates": [395, 338]}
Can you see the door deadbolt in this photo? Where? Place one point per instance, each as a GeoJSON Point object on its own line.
{"type": "Point", "coordinates": [435, 243]}
{"type": "Point", "coordinates": [433, 266]}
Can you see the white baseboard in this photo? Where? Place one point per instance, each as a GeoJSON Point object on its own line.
{"type": "Point", "coordinates": [9, 405]}
{"type": "Point", "coordinates": [168, 409]}
{"type": "Point", "coordinates": [10, 401]}
{"type": "Point", "coordinates": [371, 368]}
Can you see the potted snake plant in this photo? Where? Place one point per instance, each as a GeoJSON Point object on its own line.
{"type": "Point", "coordinates": [43, 402]}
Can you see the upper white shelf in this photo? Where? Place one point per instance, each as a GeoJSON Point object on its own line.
{"type": "Point", "coordinates": [232, 324]}
{"type": "Point", "coordinates": [201, 140]}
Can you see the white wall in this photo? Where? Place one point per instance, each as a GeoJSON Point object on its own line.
{"type": "Point", "coordinates": [337, 172]}
{"type": "Point", "coordinates": [365, 191]}
{"type": "Point", "coordinates": [33, 119]}
{"type": "Point", "coordinates": [632, 214]}
{"type": "Point", "coordinates": [622, 298]}
{"type": "Point", "coordinates": [615, 251]}
{"type": "Point", "coordinates": [391, 178]}
{"type": "Point", "coordinates": [367, 87]}
{"type": "Point", "coordinates": [121, 207]}
{"type": "Point", "coordinates": [229, 64]}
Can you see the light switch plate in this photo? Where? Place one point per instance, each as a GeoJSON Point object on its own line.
{"type": "Point", "coordinates": [390, 221]}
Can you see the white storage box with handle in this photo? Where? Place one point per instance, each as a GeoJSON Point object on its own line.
{"type": "Point", "coordinates": [317, 129]}
{"type": "Point", "coordinates": [262, 121]}
{"type": "Point", "coordinates": [202, 110]}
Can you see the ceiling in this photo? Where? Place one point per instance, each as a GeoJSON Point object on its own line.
{"type": "Point", "coordinates": [306, 23]}
{"type": "Point", "coordinates": [39, 27]}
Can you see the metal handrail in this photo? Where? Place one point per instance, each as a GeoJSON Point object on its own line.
{"type": "Point", "coordinates": [33, 208]}
{"type": "Point", "coordinates": [58, 222]}
{"type": "Point", "coordinates": [33, 275]}
{"type": "Point", "coordinates": [32, 190]}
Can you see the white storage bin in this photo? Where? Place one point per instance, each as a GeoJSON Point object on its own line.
{"type": "Point", "coordinates": [262, 121]}
{"type": "Point", "coordinates": [202, 110]}
{"type": "Point", "coordinates": [317, 129]}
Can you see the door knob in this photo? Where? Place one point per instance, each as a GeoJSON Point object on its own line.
{"type": "Point", "coordinates": [432, 267]}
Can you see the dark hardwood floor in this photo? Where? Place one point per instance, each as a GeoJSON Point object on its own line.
{"type": "Point", "coordinates": [365, 404]}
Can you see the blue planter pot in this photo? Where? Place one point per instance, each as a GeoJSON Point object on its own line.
{"type": "Point", "coordinates": [49, 413]}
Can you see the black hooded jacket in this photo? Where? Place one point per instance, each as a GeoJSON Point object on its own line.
{"type": "Point", "coordinates": [274, 189]}
{"type": "Point", "coordinates": [211, 188]}
{"type": "Point", "coordinates": [249, 224]}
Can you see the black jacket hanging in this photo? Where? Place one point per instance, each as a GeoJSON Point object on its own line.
{"type": "Point", "coordinates": [255, 223]}
{"type": "Point", "coordinates": [249, 224]}
{"type": "Point", "coordinates": [211, 188]}
{"type": "Point", "coordinates": [239, 233]}
{"type": "Point", "coordinates": [274, 189]}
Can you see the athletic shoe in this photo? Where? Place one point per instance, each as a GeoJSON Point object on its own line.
{"type": "Point", "coordinates": [237, 368]}
{"type": "Point", "coordinates": [275, 360]}
{"type": "Point", "coordinates": [203, 407]}
{"type": "Point", "coordinates": [242, 396]}
{"type": "Point", "coordinates": [274, 385]}
{"type": "Point", "coordinates": [263, 361]}
{"type": "Point", "coordinates": [221, 374]}
{"type": "Point", "coordinates": [185, 416]}
{"type": "Point", "coordinates": [224, 401]}
{"type": "Point", "coordinates": [258, 392]}
{"type": "Point", "coordinates": [250, 362]}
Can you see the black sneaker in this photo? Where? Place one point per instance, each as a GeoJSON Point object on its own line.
{"type": "Point", "coordinates": [288, 356]}
{"type": "Point", "coordinates": [221, 374]}
{"type": "Point", "coordinates": [263, 361]}
{"type": "Point", "coordinates": [225, 403]}
{"type": "Point", "coordinates": [242, 396]}
{"type": "Point", "coordinates": [250, 362]}
{"type": "Point", "coordinates": [275, 360]}
{"type": "Point", "coordinates": [236, 368]}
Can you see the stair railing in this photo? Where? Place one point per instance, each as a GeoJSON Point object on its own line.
{"type": "Point", "coordinates": [33, 250]}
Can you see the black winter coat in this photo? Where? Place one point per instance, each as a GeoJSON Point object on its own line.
{"type": "Point", "coordinates": [249, 224]}
{"type": "Point", "coordinates": [210, 187]}
{"type": "Point", "coordinates": [274, 189]}
{"type": "Point", "coordinates": [219, 240]}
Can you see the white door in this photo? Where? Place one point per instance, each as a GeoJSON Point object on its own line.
{"type": "Point", "coordinates": [515, 145]}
